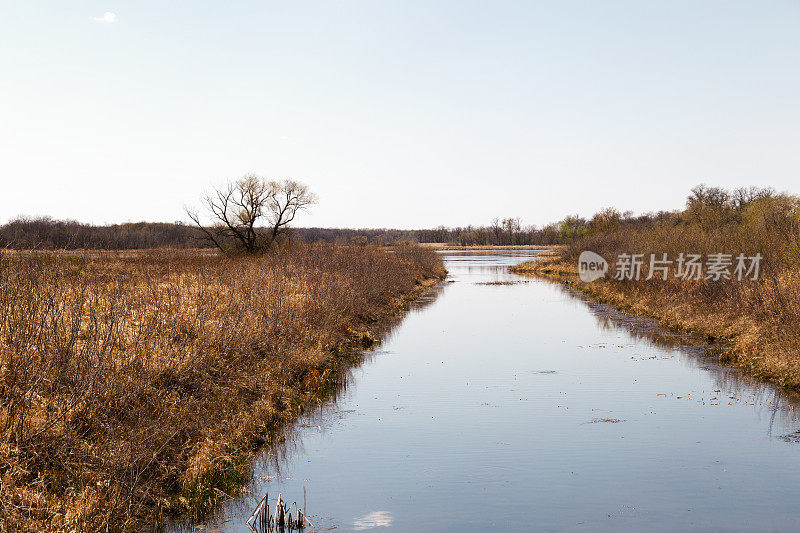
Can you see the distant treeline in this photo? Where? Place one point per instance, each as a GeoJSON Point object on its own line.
{"type": "Point", "coordinates": [48, 234]}
{"type": "Point", "coordinates": [45, 233]}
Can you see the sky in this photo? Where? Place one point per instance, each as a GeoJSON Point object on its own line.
{"type": "Point", "coordinates": [404, 114]}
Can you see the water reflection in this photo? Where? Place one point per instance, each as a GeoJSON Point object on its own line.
{"type": "Point", "coordinates": [731, 386]}
{"type": "Point", "coordinates": [373, 520]}
{"type": "Point", "coordinates": [271, 465]}
{"type": "Point", "coordinates": [496, 405]}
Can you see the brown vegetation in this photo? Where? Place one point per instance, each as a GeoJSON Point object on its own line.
{"type": "Point", "coordinates": [757, 322]}
{"type": "Point", "coordinates": [135, 386]}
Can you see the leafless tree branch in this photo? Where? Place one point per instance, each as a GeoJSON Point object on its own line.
{"type": "Point", "coordinates": [251, 214]}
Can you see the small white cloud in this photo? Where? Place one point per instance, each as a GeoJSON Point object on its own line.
{"type": "Point", "coordinates": [107, 18]}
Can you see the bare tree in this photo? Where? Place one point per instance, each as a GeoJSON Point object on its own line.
{"type": "Point", "coordinates": [251, 213]}
{"type": "Point", "coordinates": [512, 226]}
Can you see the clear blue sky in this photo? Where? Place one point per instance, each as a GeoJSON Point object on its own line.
{"type": "Point", "coordinates": [398, 114]}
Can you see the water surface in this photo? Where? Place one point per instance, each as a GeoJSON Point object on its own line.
{"type": "Point", "coordinates": [509, 403]}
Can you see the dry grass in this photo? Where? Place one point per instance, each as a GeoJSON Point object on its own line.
{"type": "Point", "coordinates": [138, 385]}
{"type": "Point", "coordinates": [756, 322]}
{"type": "Point", "coordinates": [552, 263]}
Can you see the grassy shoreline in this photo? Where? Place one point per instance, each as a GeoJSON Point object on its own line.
{"type": "Point", "coordinates": [140, 387]}
{"type": "Point", "coordinates": [763, 349]}
{"type": "Point", "coordinates": [317, 386]}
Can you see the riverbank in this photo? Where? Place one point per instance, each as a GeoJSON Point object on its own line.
{"type": "Point", "coordinates": [499, 375]}
{"type": "Point", "coordinates": [766, 347]}
{"type": "Point", "coordinates": [140, 387]}
{"type": "Point", "coordinates": [546, 249]}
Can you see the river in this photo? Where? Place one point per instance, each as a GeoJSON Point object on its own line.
{"type": "Point", "coordinates": [508, 403]}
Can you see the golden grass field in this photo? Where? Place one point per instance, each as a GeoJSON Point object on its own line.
{"type": "Point", "coordinates": [137, 386]}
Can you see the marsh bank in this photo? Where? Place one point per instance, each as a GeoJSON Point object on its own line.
{"type": "Point", "coordinates": [513, 403]}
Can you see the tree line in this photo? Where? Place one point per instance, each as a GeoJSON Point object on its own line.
{"type": "Point", "coordinates": [252, 215]}
{"type": "Point", "coordinates": [46, 233]}
{"type": "Point", "coordinates": [276, 203]}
